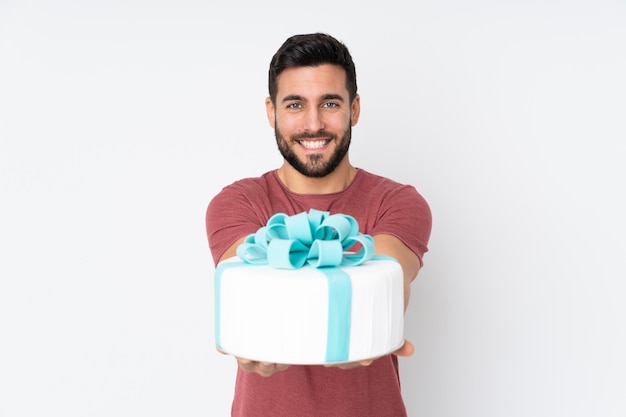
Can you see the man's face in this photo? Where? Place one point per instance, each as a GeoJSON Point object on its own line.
{"type": "Point", "coordinates": [313, 118]}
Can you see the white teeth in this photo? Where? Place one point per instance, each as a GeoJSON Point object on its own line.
{"type": "Point", "coordinates": [313, 144]}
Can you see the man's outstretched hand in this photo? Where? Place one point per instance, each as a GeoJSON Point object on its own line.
{"type": "Point", "coordinates": [407, 349]}
{"type": "Point", "coordinates": [261, 368]}
{"type": "Point", "coordinates": [268, 369]}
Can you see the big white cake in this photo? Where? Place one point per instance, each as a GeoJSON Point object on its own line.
{"type": "Point", "coordinates": [299, 297]}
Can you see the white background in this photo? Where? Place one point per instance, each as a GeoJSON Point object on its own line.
{"type": "Point", "coordinates": [119, 121]}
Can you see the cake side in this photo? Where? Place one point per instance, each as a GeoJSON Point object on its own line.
{"type": "Point", "coordinates": [282, 316]}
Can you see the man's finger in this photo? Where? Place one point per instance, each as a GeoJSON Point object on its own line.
{"type": "Point", "coordinates": [407, 349]}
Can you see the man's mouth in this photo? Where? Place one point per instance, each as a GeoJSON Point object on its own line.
{"type": "Point", "coordinates": [313, 144]}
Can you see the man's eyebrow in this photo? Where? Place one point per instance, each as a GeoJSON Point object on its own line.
{"type": "Point", "coordinates": [293, 97]}
{"type": "Point", "coordinates": [332, 97]}
{"type": "Point", "coordinates": [296, 97]}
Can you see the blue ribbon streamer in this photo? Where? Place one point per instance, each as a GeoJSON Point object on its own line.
{"type": "Point", "coordinates": [339, 315]}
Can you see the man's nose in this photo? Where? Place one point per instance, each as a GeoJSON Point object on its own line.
{"type": "Point", "coordinates": [313, 120]}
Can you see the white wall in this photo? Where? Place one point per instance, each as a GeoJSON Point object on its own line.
{"type": "Point", "coordinates": [120, 121]}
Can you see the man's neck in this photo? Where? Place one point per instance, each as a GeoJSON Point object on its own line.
{"type": "Point", "coordinates": [336, 181]}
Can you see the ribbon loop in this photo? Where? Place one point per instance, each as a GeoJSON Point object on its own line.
{"type": "Point", "coordinates": [286, 254]}
{"type": "Point", "coordinates": [325, 253]}
{"type": "Point", "coordinates": [252, 254]}
{"type": "Point", "coordinates": [365, 252]}
{"type": "Point", "coordinates": [299, 228]}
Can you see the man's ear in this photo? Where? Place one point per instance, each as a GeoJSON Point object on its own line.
{"type": "Point", "coordinates": [271, 112]}
{"type": "Point", "coordinates": [355, 109]}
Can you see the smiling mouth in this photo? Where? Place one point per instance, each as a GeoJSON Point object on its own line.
{"type": "Point", "coordinates": [313, 144]}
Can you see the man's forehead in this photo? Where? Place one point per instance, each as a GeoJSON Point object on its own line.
{"type": "Point", "coordinates": [312, 82]}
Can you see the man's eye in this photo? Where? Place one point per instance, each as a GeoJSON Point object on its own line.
{"type": "Point", "coordinates": [330, 105]}
{"type": "Point", "coordinates": [294, 106]}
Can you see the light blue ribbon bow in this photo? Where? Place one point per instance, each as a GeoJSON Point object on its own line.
{"type": "Point", "coordinates": [316, 238]}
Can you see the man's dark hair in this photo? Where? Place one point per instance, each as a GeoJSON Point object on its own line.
{"type": "Point", "coordinates": [310, 51]}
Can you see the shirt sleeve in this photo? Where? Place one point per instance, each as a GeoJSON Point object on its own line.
{"type": "Point", "coordinates": [230, 216]}
{"type": "Point", "coordinates": [405, 214]}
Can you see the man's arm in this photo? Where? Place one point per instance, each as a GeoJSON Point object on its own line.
{"type": "Point", "coordinates": [392, 246]}
{"type": "Point", "coordinates": [232, 250]}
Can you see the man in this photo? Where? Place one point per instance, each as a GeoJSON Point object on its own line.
{"type": "Point", "coordinates": [312, 107]}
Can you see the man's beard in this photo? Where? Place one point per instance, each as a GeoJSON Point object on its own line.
{"type": "Point", "coordinates": [314, 166]}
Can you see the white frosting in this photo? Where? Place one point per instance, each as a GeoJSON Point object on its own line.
{"type": "Point", "coordinates": [280, 316]}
